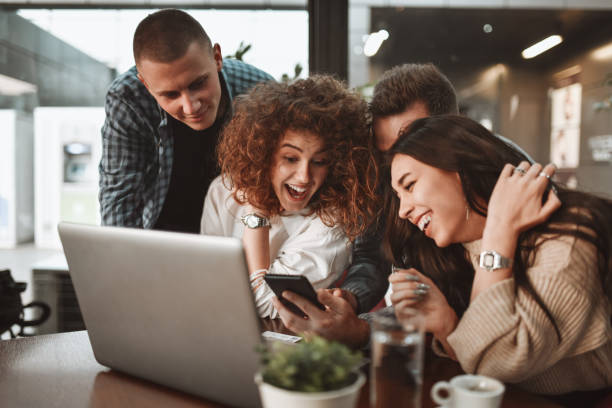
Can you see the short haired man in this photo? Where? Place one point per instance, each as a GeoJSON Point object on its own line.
{"type": "Point", "coordinates": [163, 119]}
{"type": "Point", "coordinates": [404, 94]}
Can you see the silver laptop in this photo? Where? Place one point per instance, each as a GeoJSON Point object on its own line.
{"type": "Point", "coordinates": [176, 309]}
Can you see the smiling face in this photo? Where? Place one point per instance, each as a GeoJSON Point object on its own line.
{"type": "Point", "coordinates": [433, 200]}
{"type": "Point", "coordinates": [298, 169]}
{"type": "Point", "coordinates": [188, 88]}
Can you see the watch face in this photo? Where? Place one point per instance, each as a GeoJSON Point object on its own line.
{"type": "Point", "coordinates": [252, 221]}
{"type": "Point", "coordinates": [488, 261]}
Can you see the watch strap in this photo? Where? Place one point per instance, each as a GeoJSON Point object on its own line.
{"type": "Point", "coordinates": [254, 220]}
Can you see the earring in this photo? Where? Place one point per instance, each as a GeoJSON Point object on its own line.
{"type": "Point", "coordinates": [467, 212]}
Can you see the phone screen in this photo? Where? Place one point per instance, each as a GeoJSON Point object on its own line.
{"type": "Point", "coordinates": [297, 284]}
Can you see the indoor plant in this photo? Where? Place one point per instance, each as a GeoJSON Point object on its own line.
{"type": "Point", "coordinates": [313, 373]}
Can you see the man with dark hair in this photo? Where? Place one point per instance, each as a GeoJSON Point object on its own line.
{"type": "Point", "coordinates": [163, 119]}
{"type": "Point", "coordinates": [404, 94]}
{"type": "Point", "coordinates": [409, 92]}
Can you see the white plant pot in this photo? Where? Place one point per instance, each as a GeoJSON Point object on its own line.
{"type": "Point", "coordinates": [274, 397]}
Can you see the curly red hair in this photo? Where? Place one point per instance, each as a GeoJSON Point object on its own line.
{"type": "Point", "coordinates": [320, 105]}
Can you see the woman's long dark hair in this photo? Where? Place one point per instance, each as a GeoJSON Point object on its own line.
{"type": "Point", "coordinates": [460, 145]}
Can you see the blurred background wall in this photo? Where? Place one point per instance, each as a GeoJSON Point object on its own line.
{"type": "Point", "coordinates": [556, 105]}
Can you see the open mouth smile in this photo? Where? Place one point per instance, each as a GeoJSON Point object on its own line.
{"type": "Point", "coordinates": [297, 193]}
{"type": "Point", "coordinates": [424, 222]}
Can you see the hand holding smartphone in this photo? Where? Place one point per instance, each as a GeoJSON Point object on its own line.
{"type": "Point", "coordinates": [296, 284]}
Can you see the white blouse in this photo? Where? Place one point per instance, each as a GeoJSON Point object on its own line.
{"type": "Point", "coordinates": [299, 244]}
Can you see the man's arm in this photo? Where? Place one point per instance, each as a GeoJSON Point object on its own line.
{"type": "Point", "coordinates": [127, 151]}
{"type": "Point", "coordinates": [367, 276]}
{"type": "Point", "coordinates": [337, 322]}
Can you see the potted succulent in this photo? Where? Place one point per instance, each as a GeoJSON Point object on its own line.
{"type": "Point", "coordinates": [313, 373]}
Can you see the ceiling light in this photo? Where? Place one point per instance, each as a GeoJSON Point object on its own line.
{"type": "Point", "coordinates": [603, 53]}
{"type": "Point", "coordinates": [374, 41]}
{"type": "Point", "coordinates": [542, 46]}
{"type": "Point", "coordinates": [487, 28]}
{"type": "Point", "coordinates": [568, 72]}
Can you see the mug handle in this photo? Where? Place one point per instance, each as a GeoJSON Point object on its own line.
{"type": "Point", "coordinates": [441, 386]}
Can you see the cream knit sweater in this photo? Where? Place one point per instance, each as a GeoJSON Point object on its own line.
{"type": "Point", "coordinates": [508, 336]}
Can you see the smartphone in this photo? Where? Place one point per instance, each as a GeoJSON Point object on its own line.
{"type": "Point", "coordinates": [296, 284]}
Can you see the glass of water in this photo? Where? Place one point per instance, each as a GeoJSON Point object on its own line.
{"type": "Point", "coordinates": [396, 375]}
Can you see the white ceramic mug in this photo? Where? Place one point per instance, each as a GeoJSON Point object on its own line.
{"type": "Point", "coordinates": [474, 391]}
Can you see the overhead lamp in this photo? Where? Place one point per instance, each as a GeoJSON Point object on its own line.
{"type": "Point", "coordinates": [374, 41]}
{"type": "Point", "coordinates": [542, 46]}
{"type": "Point", "coordinates": [567, 72]}
{"type": "Point", "coordinates": [603, 53]}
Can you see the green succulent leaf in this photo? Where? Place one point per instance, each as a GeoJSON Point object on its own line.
{"type": "Point", "coordinates": [312, 365]}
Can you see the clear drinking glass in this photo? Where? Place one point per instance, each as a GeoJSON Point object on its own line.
{"type": "Point", "coordinates": [396, 375]}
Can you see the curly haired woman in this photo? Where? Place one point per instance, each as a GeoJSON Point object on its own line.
{"type": "Point", "coordinates": [297, 181]}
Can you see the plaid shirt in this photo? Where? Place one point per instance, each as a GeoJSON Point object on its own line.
{"type": "Point", "coordinates": [137, 146]}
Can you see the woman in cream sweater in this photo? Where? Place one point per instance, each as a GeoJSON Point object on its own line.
{"type": "Point", "coordinates": [297, 181]}
{"type": "Point", "coordinates": [512, 273]}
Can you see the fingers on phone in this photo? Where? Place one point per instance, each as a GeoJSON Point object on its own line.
{"type": "Point", "coordinates": [278, 305]}
{"type": "Point", "coordinates": [293, 322]}
{"type": "Point", "coordinates": [299, 301]}
{"type": "Point", "coordinates": [337, 302]}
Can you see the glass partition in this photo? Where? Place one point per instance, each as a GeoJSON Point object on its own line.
{"type": "Point", "coordinates": [556, 102]}
{"type": "Point", "coordinates": [55, 68]}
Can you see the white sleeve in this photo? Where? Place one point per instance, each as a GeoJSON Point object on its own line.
{"type": "Point", "coordinates": [318, 252]}
{"type": "Point", "coordinates": [215, 212]}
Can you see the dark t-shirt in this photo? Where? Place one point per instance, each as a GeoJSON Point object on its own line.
{"type": "Point", "coordinates": [194, 167]}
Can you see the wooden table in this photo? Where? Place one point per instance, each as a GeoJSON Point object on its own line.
{"type": "Point", "coordinates": [59, 370]}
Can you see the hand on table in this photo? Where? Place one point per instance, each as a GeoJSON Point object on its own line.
{"type": "Point", "coordinates": [337, 322]}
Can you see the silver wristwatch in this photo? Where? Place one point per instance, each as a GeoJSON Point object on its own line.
{"type": "Point", "coordinates": [492, 260]}
{"type": "Point", "coordinates": [255, 221]}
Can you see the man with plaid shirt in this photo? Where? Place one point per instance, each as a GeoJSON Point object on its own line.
{"type": "Point", "coordinates": [163, 119]}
